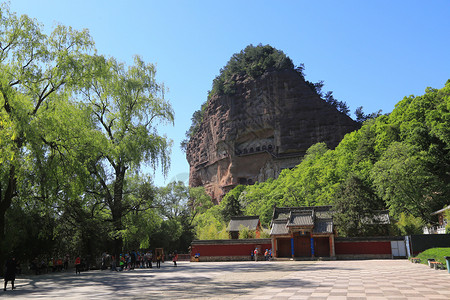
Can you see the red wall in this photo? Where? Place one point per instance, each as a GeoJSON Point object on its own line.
{"type": "Point", "coordinates": [382, 247]}
{"type": "Point", "coordinates": [360, 247]}
{"type": "Point", "coordinates": [227, 249]}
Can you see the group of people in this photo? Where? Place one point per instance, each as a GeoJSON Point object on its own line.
{"type": "Point", "coordinates": [255, 253]}
{"type": "Point", "coordinates": [127, 261]}
{"type": "Point", "coordinates": [53, 264]}
{"type": "Point", "coordinates": [135, 259]}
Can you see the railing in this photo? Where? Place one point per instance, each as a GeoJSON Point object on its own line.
{"type": "Point", "coordinates": [440, 229]}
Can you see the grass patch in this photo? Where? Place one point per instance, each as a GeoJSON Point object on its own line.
{"type": "Point", "coordinates": [436, 253]}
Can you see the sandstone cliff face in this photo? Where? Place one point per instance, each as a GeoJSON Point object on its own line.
{"type": "Point", "coordinates": [264, 127]}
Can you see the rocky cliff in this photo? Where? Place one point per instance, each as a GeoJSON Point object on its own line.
{"type": "Point", "coordinates": [265, 126]}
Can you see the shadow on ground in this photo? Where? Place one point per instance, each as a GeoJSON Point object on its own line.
{"type": "Point", "coordinates": [189, 280]}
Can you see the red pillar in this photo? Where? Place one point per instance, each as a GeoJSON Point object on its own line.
{"type": "Point", "coordinates": [332, 250]}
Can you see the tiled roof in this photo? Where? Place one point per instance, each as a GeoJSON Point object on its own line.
{"type": "Point", "coordinates": [440, 211]}
{"type": "Point", "coordinates": [279, 227]}
{"type": "Point", "coordinates": [250, 222]}
{"type": "Point", "coordinates": [320, 218]}
{"type": "Point", "coordinates": [304, 218]}
{"type": "Point", "coordinates": [380, 217]}
{"type": "Point", "coordinates": [284, 212]}
{"type": "Point", "coordinates": [317, 217]}
{"type": "Point", "coordinates": [323, 226]}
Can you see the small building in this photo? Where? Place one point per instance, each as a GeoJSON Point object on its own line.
{"type": "Point", "coordinates": [442, 222]}
{"type": "Point", "coordinates": [250, 222]}
{"type": "Point", "coordinates": [305, 232]}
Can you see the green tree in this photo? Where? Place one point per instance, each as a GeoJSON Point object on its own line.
{"type": "Point", "coordinates": [126, 105]}
{"type": "Point", "coordinates": [361, 117]}
{"type": "Point", "coordinates": [407, 225]}
{"type": "Point", "coordinates": [253, 61]}
{"type": "Point", "coordinates": [447, 218]}
{"type": "Point", "coordinates": [36, 73]}
{"type": "Point", "coordinates": [209, 225]}
{"type": "Point", "coordinates": [230, 204]}
{"type": "Point", "coordinates": [199, 202]}
{"type": "Point", "coordinates": [179, 205]}
{"type": "Point", "coordinates": [355, 207]}
{"type": "Point", "coordinates": [401, 158]}
{"type": "Point", "coordinates": [173, 200]}
{"type": "Point", "coordinates": [139, 217]}
{"type": "Point", "coordinates": [196, 119]}
{"type": "Point", "coordinates": [403, 181]}
{"type": "Point", "coordinates": [246, 233]}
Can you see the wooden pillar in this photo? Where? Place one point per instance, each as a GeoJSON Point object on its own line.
{"type": "Point", "coordinates": [332, 250]}
{"type": "Point", "coordinates": [292, 247]}
{"type": "Point", "coordinates": [274, 247]}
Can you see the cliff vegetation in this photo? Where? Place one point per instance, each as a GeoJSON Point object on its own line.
{"type": "Point", "coordinates": [398, 162]}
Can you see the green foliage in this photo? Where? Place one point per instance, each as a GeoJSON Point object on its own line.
{"type": "Point", "coordinates": [398, 161]}
{"type": "Point", "coordinates": [210, 225]}
{"type": "Point", "coordinates": [402, 179]}
{"type": "Point", "coordinates": [173, 200]}
{"type": "Point", "coordinates": [265, 234]}
{"type": "Point", "coordinates": [38, 73]}
{"type": "Point", "coordinates": [199, 201]}
{"type": "Point", "coordinates": [246, 233]}
{"type": "Point", "coordinates": [125, 104]}
{"type": "Point", "coordinates": [356, 204]}
{"type": "Point", "coordinates": [437, 253]}
{"type": "Point", "coordinates": [328, 97]}
{"type": "Point", "coordinates": [35, 232]}
{"type": "Point", "coordinates": [253, 62]}
{"type": "Point", "coordinates": [407, 225]}
{"type": "Point", "coordinates": [361, 117]}
{"type": "Point", "coordinates": [75, 129]}
{"type": "Point", "coordinates": [196, 119]}
{"type": "Point", "coordinates": [447, 219]}
{"type": "Point", "coordinates": [230, 204]}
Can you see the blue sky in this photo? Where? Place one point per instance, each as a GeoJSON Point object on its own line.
{"type": "Point", "coordinates": [369, 53]}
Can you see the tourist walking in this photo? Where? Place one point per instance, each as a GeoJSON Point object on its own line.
{"type": "Point", "coordinates": [132, 260]}
{"type": "Point", "coordinates": [158, 260]}
{"type": "Point", "coordinates": [66, 262]}
{"type": "Point", "coordinates": [113, 264]}
{"type": "Point", "coordinates": [10, 274]}
{"type": "Point", "coordinates": [78, 265]}
{"type": "Point", "coordinates": [121, 263]}
{"type": "Point", "coordinates": [175, 258]}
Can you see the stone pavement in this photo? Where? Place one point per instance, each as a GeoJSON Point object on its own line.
{"type": "Point", "coordinates": [357, 279]}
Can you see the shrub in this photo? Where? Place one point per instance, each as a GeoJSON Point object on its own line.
{"type": "Point", "coordinates": [436, 253]}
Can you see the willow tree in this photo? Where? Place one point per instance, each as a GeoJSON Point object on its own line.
{"type": "Point", "coordinates": [127, 104]}
{"type": "Point", "coordinates": [36, 72]}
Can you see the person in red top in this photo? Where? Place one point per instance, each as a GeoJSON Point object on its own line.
{"type": "Point", "coordinates": [175, 258]}
{"type": "Point", "coordinates": [78, 265]}
{"type": "Point", "coordinates": [59, 264]}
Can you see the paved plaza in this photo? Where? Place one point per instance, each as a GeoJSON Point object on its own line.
{"type": "Point", "coordinates": [361, 279]}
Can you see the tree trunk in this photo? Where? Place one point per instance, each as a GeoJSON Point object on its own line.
{"type": "Point", "coordinates": [117, 210]}
{"type": "Point", "coordinates": [118, 241]}
{"type": "Point", "coordinates": [5, 204]}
